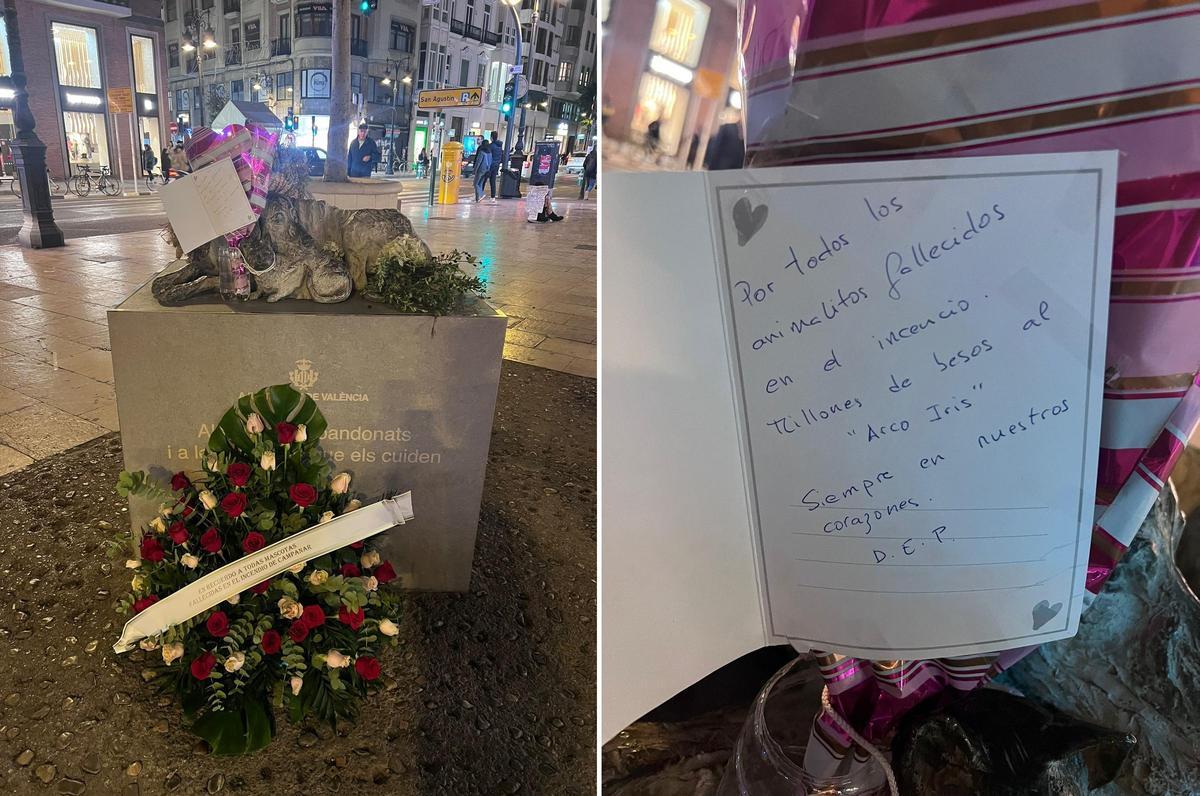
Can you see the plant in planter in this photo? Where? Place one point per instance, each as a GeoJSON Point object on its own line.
{"type": "Point", "coordinates": [305, 641]}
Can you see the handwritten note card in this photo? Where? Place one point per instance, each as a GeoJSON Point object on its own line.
{"type": "Point", "coordinates": [206, 204]}
{"type": "Point", "coordinates": [918, 351]}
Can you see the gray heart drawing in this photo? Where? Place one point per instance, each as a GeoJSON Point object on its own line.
{"type": "Point", "coordinates": [748, 219]}
{"type": "Point", "coordinates": [1043, 612]}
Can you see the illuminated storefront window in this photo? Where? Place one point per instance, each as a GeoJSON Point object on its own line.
{"type": "Point", "coordinates": [678, 32]}
{"type": "Point", "coordinates": [146, 99]}
{"type": "Point", "coordinates": [662, 101]}
{"type": "Point", "coordinates": [81, 95]}
{"type": "Point", "coordinates": [87, 139]}
{"type": "Point", "coordinates": [77, 55]}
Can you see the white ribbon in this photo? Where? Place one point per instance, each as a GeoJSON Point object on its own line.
{"type": "Point", "coordinates": [237, 576]}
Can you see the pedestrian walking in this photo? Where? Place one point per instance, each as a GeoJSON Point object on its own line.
{"type": "Point", "coordinates": [363, 154]}
{"type": "Point", "coordinates": [422, 163]}
{"type": "Point", "coordinates": [149, 161]}
{"type": "Point", "coordinates": [164, 163]}
{"type": "Point", "coordinates": [726, 150]}
{"type": "Point", "coordinates": [482, 167]}
{"type": "Point", "coordinates": [497, 157]}
{"type": "Point", "coordinates": [588, 181]}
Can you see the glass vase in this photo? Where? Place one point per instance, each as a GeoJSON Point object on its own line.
{"type": "Point", "coordinates": [768, 759]}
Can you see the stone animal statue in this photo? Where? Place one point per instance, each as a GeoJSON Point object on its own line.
{"type": "Point", "coordinates": [289, 256]}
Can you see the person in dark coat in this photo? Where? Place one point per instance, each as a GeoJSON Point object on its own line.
{"type": "Point", "coordinates": [164, 163]}
{"type": "Point", "coordinates": [149, 161]}
{"type": "Point", "coordinates": [726, 149]}
{"type": "Point", "coordinates": [363, 154]}
{"type": "Point", "coordinates": [589, 174]}
{"type": "Point", "coordinates": [482, 167]}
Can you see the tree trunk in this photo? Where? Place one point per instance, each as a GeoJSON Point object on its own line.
{"type": "Point", "coordinates": [340, 108]}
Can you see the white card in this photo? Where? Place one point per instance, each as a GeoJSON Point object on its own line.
{"type": "Point", "coordinates": [914, 355]}
{"type": "Point", "coordinates": [206, 204]}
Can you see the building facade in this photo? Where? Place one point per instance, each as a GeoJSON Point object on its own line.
{"type": "Point", "coordinates": [670, 61]}
{"type": "Point", "coordinates": [74, 53]}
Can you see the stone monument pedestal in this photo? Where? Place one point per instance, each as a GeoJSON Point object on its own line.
{"type": "Point", "coordinates": [409, 400]}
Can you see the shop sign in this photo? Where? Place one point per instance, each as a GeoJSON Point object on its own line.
{"type": "Point", "coordinates": [120, 100]}
{"type": "Point", "coordinates": [82, 99]}
{"type": "Point", "coordinates": [671, 70]}
{"type": "Point", "coordinates": [465, 97]}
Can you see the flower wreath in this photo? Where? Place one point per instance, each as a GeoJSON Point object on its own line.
{"type": "Point", "coordinates": [307, 639]}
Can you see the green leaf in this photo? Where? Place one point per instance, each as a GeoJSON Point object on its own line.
{"type": "Point", "coordinates": [237, 732]}
{"type": "Point", "coordinates": [274, 404]}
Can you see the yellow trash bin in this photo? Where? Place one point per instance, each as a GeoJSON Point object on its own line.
{"type": "Point", "coordinates": [451, 173]}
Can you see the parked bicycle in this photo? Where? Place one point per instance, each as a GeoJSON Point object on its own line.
{"type": "Point", "coordinates": [102, 180]}
{"type": "Point", "coordinates": [56, 187]}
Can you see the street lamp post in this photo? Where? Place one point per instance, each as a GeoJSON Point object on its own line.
{"type": "Point", "coordinates": [390, 168]}
{"type": "Point", "coordinates": [192, 21]}
{"type": "Point", "coordinates": [38, 230]}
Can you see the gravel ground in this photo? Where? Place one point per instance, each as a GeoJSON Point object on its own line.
{"type": "Point", "coordinates": [491, 692]}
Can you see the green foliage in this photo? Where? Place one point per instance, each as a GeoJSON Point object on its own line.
{"type": "Point", "coordinates": [280, 403]}
{"type": "Point", "coordinates": [412, 281]}
{"type": "Point", "coordinates": [141, 485]}
{"type": "Point", "coordinates": [237, 732]}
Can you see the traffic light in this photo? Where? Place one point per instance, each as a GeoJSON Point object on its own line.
{"type": "Point", "coordinates": [367, 6]}
{"type": "Point", "coordinates": [506, 105]}
{"type": "Point", "coordinates": [289, 122]}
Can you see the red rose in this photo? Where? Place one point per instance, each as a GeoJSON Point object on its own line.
{"type": "Point", "coordinates": [354, 619]}
{"type": "Point", "coordinates": [239, 473]}
{"type": "Point", "coordinates": [367, 668]}
{"type": "Point", "coordinates": [210, 540]}
{"type": "Point", "coordinates": [384, 572]}
{"type": "Point", "coordinates": [303, 495]}
{"type": "Point", "coordinates": [357, 545]}
{"type": "Point", "coordinates": [285, 433]}
{"type": "Point", "coordinates": [261, 588]}
{"type": "Point", "coordinates": [203, 665]}
{"type": "Point", "coordinates": [234, 504]}
{"type": "Point", "coordinates": [313, 617]}
{"type": "Point", "coordinates": [254, 542]}
{"type": "Point", "coordinates": [297, 631]}
{"type": "Point", "coordinates": [350, 571]}
{"type": "Point", "coordinates": [218, 624]}
{"type": "Point", "coordinates": [270, 642]}
{"type": "Point", "coordinates": [152, 549]}
{"type": "Point", "coordinates": [144, 603]}
{"type": "Point", "coordinates": [178, 532]}
{"type": "Point", "coordinates": [179, 481]}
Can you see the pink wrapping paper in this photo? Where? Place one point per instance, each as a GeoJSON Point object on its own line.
{"type": "Point", "coordinates": [809, 69]}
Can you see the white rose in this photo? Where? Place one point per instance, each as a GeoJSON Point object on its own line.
{"type": "Point", "coordinates": [148, 644]}
{"type": "Point", "coordinates": [336, 660]}
{"type": "Point", "coordinates": [235, 599]}
{"type": "Point", "coordinates": [388, 628]}
{"type": "Point", "coordinates": [208, 499]}
{"type": "Point", "coordinates": [325, 517]}
{"type": "Point", "coordinates": [212, 462]}
{"type": "Point", "coordinates": [189, 560]}
{"type": "Point", "coordinates": [235, 661]}
{"type": "Point", "coordinates": [318, 577]}
{"type": "Point", "coordinates": [290, 608]}
{"type": "Point", "coordinates": [268, 460]}
{"type": "Point", "coordinates": [301, 433]}
{"type": "Point", "coordinates": [371, 583]}
{"type": "Point", "coordinates": [132, 563]}
{"type": "Point", "coordinates": [254, 424]}
{"type": "Point", "coordinates": [138, 583]}
{"type": "Point", "coordinates": [172, 652]}
{"type": "Point", "coordinates": [340, 483]}
{"type": "Point", "coordinates": [298, 567]}
{"type": "Point", "coordinates": [370, 558]}
{"type": "Point", "coordinates": [354, 503]}
{"type": "Point", "coordinates": [297, 684]}
{"type": "Point", "coordinates": [158, 525]}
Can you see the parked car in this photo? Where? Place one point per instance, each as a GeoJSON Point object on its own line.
{"type": "Point", "coordinates": [574, 164]}
{"type": "Point", "coordinates": [315, 159]}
